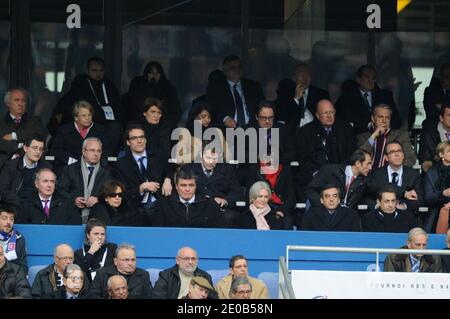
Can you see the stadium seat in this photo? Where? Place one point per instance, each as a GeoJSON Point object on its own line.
{"type": "Point", "coordinates": [271, 281]}
{"type": "Point", "coordinates": [154, 275]}
{"type": "Point", "coordinates": [32, 271]}
{"type": "Point", "coordinates": [216, 275]}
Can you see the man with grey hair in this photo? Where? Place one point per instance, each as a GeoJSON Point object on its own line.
{"type": "Point", "coordinates": [47, 205]}
{"type": "Point", "coordinates": [138, 280]}
{"type": "Point", "coordinates": [241, 288]}
{"type": "Point", "coordinates": [16, 125]}
{"type": "Point", "coordinates": [173, 283]}
{"type": "Point", "coordinates": [417, 239]}
{"type": "Point", "coordinates": [73, 284]}
{"type": "Point", "coordinates": [82, 181]}
{"type": "Point", "coordinates": [117, 287]}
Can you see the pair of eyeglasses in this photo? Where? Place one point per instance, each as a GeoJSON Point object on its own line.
{"type": "Point", "coordinates": [75, 278]}
{"type": "Point", "coordinates": [115, 195]}
{"type": "Point", "coordinates": [188, 258]}
{"type": "Point", "coordinates": [134, 138]}
{"type": "Point", "coordinates": [67, 258]}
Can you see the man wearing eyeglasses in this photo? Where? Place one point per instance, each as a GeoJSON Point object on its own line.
{"type": "Point", "coordinates": [138, 280]}
{"type": "Point", "coordinates": [405, 180]}
{"type": "Point", "coordinates": [73, 284]}
{"type": "Point", "coordinates": [17, 176]}
{"type": "Point", "coordinates": [241, 288]}
{"type": "Point", "coordinates": [173, 283]}
{"type": "Point", "coordinates": [49, 279]}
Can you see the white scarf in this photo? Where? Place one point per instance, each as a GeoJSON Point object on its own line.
{"type": "Point", "coordinates": [258, 214]}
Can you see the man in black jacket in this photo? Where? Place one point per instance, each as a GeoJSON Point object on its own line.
{"type": "Point", "coordinates": [17, 176]}
{"type": "Point", "coordinates": [297, 99]}
{"type": "Point", "coordinates": [138, 280]}
{"type": "Point", "coordinates": [186, 207]}
{"type": "Point", "coordinates": [437, 94]}
{"type": "Point", "coordinates": [173, 283]}
{"type": "Point", "coordinates": [350, 180]}
{"type": "Point", "coordinates": [331, 216]}
{"type": "Point", "coordinates": [13, 280]}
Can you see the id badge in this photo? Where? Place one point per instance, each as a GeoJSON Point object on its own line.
{"type": "Point", "coordinates": [109, 113]}
{"type": "Point", "coordinates": [145, 198]}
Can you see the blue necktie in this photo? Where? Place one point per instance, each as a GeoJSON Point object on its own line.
{"type": "Point", "coordinates": [91, 170]}
{"type": "Point", "coordinates": [395, 178]}
{"type": "Point", "coordinates": [415, 264]}
{"type": "Point", "coordinates": [239, 106]}
{"type": "Point", "coordinates": [142, 167]}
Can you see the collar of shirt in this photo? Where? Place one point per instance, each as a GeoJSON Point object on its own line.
{"type": "Point", "coordinates": [348, 173]}
{"type": "Point", "coordinates": [42, 199]}
{"type": "Point", "coordinates": [70, 295]}
{"type": "Point", "coordinates": [399, 172]}
{"type": "Point", "coordinates": [204, 169]}
{"type": "Point", "coordinates": [138, 156]}
{"type": "Point", "coordinates": [382, 215]}
{"type": "Point", "coordinates": [187, 201]}
{"type": "Point", "coordinates": [14, 117]}
{"type": "Point", "coordinates": [232, 84]}
{"type": "Point", "coordinates": [369, 94]}
{"type": "Point", "coordinates": [25, 165]}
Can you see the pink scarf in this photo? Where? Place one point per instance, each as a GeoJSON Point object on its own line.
{"type": "Point", "coordinates": [258, 214]}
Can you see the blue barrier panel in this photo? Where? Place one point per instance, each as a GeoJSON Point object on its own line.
{"type": "Point", "coordinates": [157, 247]}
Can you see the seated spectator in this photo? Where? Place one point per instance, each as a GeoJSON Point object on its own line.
{"type": "Point", "coordinates": [199, 288]}
{"type": "Point", "coordinates": [445, 259]}
{"type": "Point", "coordinates": [381, 134]}
{"type": "Point", "coordinates": [13, 280]}
{"type": "Point", "coordinates": [386, 217]}
{"type": "Point", "coordinates": [73, 284]}
{"type": "Point", "coordinates": [96, 252]}
{"type": "Point", "coordinates": [117, 287]}
{"type": "Point", "coordinates": [138, 280]}
{"type": "Point", "coordinates": [217, 181]}
{"type": "Point", "coordinates": [187, 207]}
{"type": "Point", "coordinates": [157, 133]}
{"type": "Point", "coordinates": [437, 190]}
{"type": "Point", "coordinates": [200, 111]}
{"type": "Point", "coordinates": [437, 94]}
{"type": "Point", "coordinates": [17, 176]}
{"type": "Point", "coordinates": [47, 205]}
{"type": "Point", "coordinates": [154, 83]}
{"type": "Point", "coordinates": [173, 283]}
{"type": "Point", "coordinates": [417, 239]}
{"type": "Point", "coordinates": [49, 279]}
{"type": "Point", "coordinates": [260, 214]}
{"type": "Point", "coordinates": [331, 216]}
{"type": "Point", "coordinates": [358, 99]}
{"type": "Point", "coordinates": [70, 137]}
{"type": "Point", "coordinates": [350, 180]}
{"type": "Point", "coordinates": [431, 135]}
{"type": "Point", "coordinates": [113, 209]}
{"type": "Point", "coordinates": [405, 180]}
{"type": "Point", "coordinates": [239, 269]}
{"type": "Point", "coordinates": [81, 181]}
{"type": "Point", "coordinates": [16, 125]}
{"type": "Point", "coordinates": [280, 182]}
{"type": "Point", "coordinates": [241, 288]}
{"type": "Point", "coordinates": [12, 241]}
{"type": "Point", "coordinates": [144, 174]}
{"type": "Point", "coordinates": [297, 98]}
{"type": "Point", "coordinates": [326, 140]}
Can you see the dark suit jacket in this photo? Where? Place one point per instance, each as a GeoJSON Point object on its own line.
{"type": "Point", "coordinates": [286, 146]}
{"type": "Point", "coordinates": [351, 108]}
{"type": "Point", "coordinates": [287, 109]}
{"type": "Point", "coordinates": [373, 221]}
{"type": "Point", "coordinates": [335, 175]}
{"type": "Point", "coordinates": [62, 211]}
{"type": "Point", "coordinates": [28, 127]}
{"type": "Point", "coordinates": [434, 98]}
{"type": "Point", "coordinates": [343, 219]}
{"type": "Point", "coordinates": [221, 99]}
{"type": "Point", "coordinates": [429, 139]}
{"type": "Point", "coordinates": [411, 180]}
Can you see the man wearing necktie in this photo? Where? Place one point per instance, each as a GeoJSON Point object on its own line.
{"type": "Point", "coordinates": [437, 94]}
{"type": "Point", "coordinates": [418, 240]}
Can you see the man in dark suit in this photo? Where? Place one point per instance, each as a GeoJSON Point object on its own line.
{"type": "Point", "coordinates": [330, 215]}
{"type": "Point", "coordinates": [47, 206]}
{"type": "Point", "coordinates": [234, 101]}
{"type": "Point", "coordinates": [437, 94]}
{"type": "Point", "coordinates": [82, 181]}
{"type": "Point", "coordinates": [405, 180]}
{"type": "Point", "coordinates": [386, 217]}
{"type": "Point", "coordinates": [218, 181]}
{"type": "Point", "coordinates": [144, 174]}
{"type": "Point", "coordinates": [357, 100]}
{"type": "Point", "coordinates": [350, 180]}
{"type": "Point", "coordinates": [326, 140]}
{"type": "Point", "coordinates": [16, 126]}
{"type": "Point", "coordinates": [297, 99]}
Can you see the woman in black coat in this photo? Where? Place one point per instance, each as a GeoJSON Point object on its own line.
{"type": "Point", "coordinates": [154, 83]}
{"type": "Point", "coordinates": [113, 209]}
{"type": "Point", "coordinates": [96, 252]}
{"type": "Point", "coordinates": [200, 111]}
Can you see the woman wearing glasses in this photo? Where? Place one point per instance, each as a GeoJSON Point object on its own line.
{"type": "Point", "coordinates": [96, 252]}
{"type": "Point", "coordinates": [113, 209]}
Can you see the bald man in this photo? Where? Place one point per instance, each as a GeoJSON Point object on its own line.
{"type": "Point", "coordinates": [117, 287]}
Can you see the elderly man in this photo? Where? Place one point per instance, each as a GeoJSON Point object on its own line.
{"type": "Point", "coordinates": [16, 126]}
{"type": "Point", "coordinates": [82, 181]}
{"type": "Point", "coordinates": [381, 134]}
{"type": "Point", "coordinates": [239, 269]}
{"type": "Point", "coordinates": [13, 283]}
{"type": "Point", "coordinates": [117, 287]}
{"type": "Point", "coordinates": [241, 288]}
{"type": "Point", "coordinates": [47, 206]}
{"type": "Point", "coordinates": [173, 283]}
{"type": "Point", "coordinates": [138, 280]}
{"type": "Point", "coordinates": [199, 288]}
{"type": "Point", "coordinates": [73, 284]}
{"type": "Point", "coordinates": [417, 239]}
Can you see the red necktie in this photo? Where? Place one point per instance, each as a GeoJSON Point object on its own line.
{"type": "Point", "coordinates": [17, 121]}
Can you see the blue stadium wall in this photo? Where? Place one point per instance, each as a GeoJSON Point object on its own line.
{"type": "Point", "coordinates": [157, 247]}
